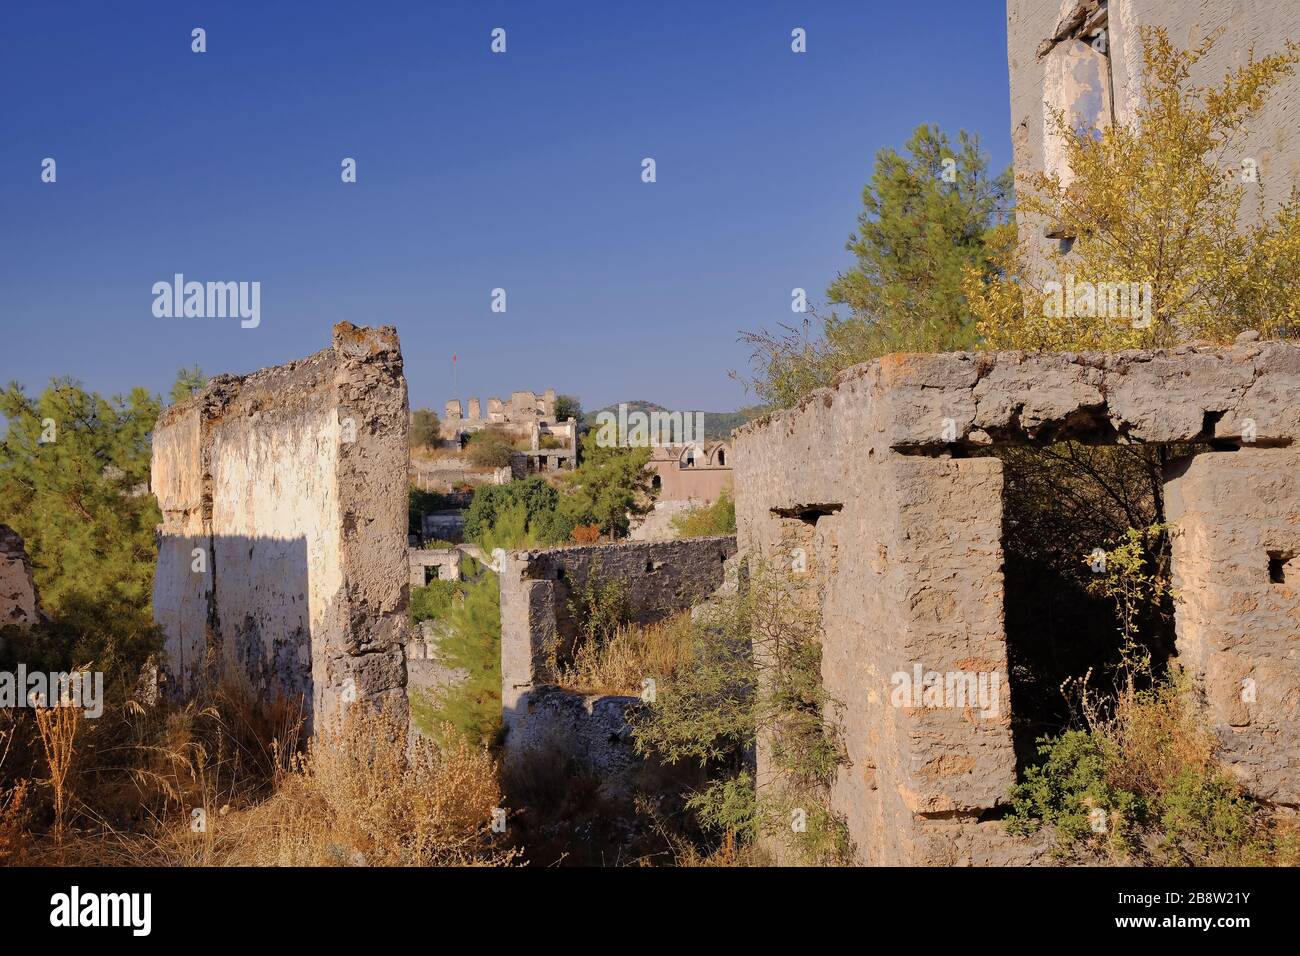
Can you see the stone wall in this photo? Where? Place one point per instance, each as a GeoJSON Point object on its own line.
{"type": "Point", "coordinates": [1055, 58]}
{"type": "Point", "coordinates": [661, 579]}
{"type": "Point", "coordinates": [19, 606]}
{"type": "Point", "coordinates": [1235, 541]}
{"type": "Point", "coordinates": [870, 487]}
{"type": "Point", "coordinates": [691, 473]}
{"type": "Point", "coordinates": [444, 561]}
{"type": "Point", "coordinates": [282, 553]}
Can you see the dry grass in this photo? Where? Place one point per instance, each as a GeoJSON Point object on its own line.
{"type": "Point", "coordinates": [634, 652]}
{"type": "Point", "coordinates": [223, 781]}
{"type": "Point", "coordinates": [13, 825]}
{"type": "Point", "coordinates": [359, 797]}
{"type": "Point", "coordinates": [57, 726]}
{"type": "Point", "coordinates": [1158, 736]}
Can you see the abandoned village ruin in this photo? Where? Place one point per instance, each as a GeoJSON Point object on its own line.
{"type": "Point", "coordinates": [284, 554]}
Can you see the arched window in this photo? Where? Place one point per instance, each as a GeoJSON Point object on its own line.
{"type": "Point", "coordinates": [722, 457]}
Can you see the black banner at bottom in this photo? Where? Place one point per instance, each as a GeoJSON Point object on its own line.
{"type": "Point", "coordinates": [335, 906]}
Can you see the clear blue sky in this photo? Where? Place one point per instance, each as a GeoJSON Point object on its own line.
{"type": "Point", "coordinates": [475, 171]}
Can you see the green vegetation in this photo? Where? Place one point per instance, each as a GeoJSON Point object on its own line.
{"type": "Point", "coordinates": [1137, 782]}
{"type": "Point", "coordinates": [74, 482]}
{"type": "Point", "coordinates": [424, 428]}
{"type": "Point", "coordinates": [490, 448]}
{"type": "Point", "coordinates": [1150, 201]}
{"type": "Point", "coordinates": [921, 234]}
{"type": "Point", "coordinates": [599, 606]}
{"type": "Point", "coordinates": [717, 518]}
{"type": "Point", "coordinates": [189, 381]}
{"type": "Point", "coordinates": [433, 601]}
{"type": "Point", "coordinates": [472, 643]}
{"type": "Point", "coordinates": [610, 484]}
{"type": "Point", "coordinates": [566, 407]}
{"type": "Point", "coordinates": [754, 668]}
{"type": "Point", "coordinates": [537, 499]}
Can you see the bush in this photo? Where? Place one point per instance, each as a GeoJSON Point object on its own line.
{"type": "Point", "coordinates": [599, 605]}
{"type": "Point", "coordinates": [490, 448]}
{"type": "Point", "coordinates": [753, 668]}
{"type": "Point", "coordinates": [714, 519]}
{"type": "Point", "coordinates": [538, 500]}
{"type": "Point", "coordinates": [434, 600]}
{"type": "Point", "coordinates": [1140, 786]}
{"type": "Point", "coordinates": [424, 428]}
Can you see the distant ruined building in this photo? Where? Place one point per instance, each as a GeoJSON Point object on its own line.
{"type": "Point", "coordinates": [697, 473]}
{"type": "Point", "coordinates": [550, 445]}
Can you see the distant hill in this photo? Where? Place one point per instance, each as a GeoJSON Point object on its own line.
{"type": "Point", "coordinates": [717, 425]}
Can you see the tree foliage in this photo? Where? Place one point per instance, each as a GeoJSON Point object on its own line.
{"type": "Point", "coordinates": [472, 643]}
{"type": "Point", "coordinates": [189, 381]}
{"type": "Point", "coordinates": [611, 484]}
{"type": "Point", "coordinates": [74, 482]}
{"type": "Point", "coordinates": [537, 499]}
{"type": "Point", "coordinates": [566, 407]}
{"type": "Point", "coordinates": [1159, 200]}
{"type": "Point", "coordinates": [929, 218]}
{"type": "Point", "coordinates": [424, 428]}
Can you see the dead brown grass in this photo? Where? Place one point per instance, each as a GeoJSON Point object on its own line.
{"type": "Point", "coordinates": [633, 653]}
{"type": "Point", "coordinates": [359, 796]}
{"type": "Point", "coordinates": [223, 781]}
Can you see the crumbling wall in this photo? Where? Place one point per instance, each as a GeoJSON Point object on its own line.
{"type": "Point", "coordinates": [19, 606]}
{"type": "Point", "coordinates": [444, 561]}
{"type": "Point", "coordinates": [282, 553]}
{"type": "Point", "coordinates": [1236, 546]}
{"type": "Point", "coordinates": [662, 578]}
{"type": "Point", "coordinates": [870, 487]}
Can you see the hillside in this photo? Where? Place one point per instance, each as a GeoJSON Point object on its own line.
{"type": "Point", "coordinates": [717, 425]}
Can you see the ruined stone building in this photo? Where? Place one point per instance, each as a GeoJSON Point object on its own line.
{"type": "Point", "coordinates": [882, 489]}
{"type": "Point", "coordinates": [544, 444]}
{"type": "Point", "coordinates": [1084, 58]}
{"type": "Point", "coordinates": [536, 585]}
{"type": "Point", "coordinates": [282, 554]}
{"type": "Point", "coordinates": [694, 473]}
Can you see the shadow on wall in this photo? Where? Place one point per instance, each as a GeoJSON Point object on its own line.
{"type": "Point", "coordinates": [244, 607]}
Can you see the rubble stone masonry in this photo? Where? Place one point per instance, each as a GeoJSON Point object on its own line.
{"type": "Point", "coordinates": [871, 487]}
{"type": "Point", "coordinates": [282, 552]}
